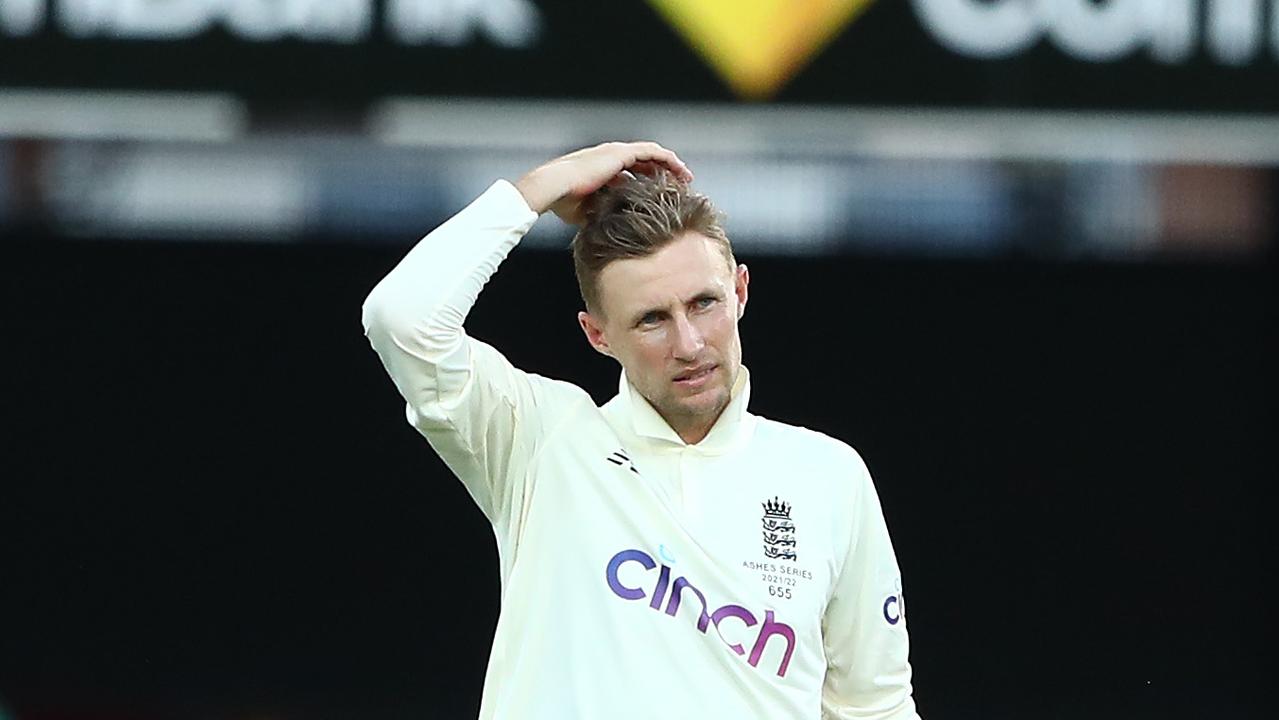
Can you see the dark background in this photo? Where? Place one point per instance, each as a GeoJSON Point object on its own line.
{"type": "Point", "coordinates": [211, 506]}
{"type": "Point", "coordinates": [219, 511]}
{"type": "Point", "coordinates": [626, 51]}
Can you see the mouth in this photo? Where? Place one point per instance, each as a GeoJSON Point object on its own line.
{"type": "Point", "coordinates": [696, 376]}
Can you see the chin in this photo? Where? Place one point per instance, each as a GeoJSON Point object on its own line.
{"type": "Point", "coordinates": [710, 400]}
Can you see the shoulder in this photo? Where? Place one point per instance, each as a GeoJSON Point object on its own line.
{"type": "Point", "coordinates": [564, 392]}
{"type": "Point", "coordinates": [825, 463]}
{"type": "Point", "coordinates": [560, 395]}
{"type": "Point", "coordinates": [565, 403]}
{"type": "Point", "coordinates": [537, 393]}
{"type": "Point", "coordinates": [800, 438]}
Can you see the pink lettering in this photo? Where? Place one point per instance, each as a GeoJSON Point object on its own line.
{"type": "Point", "coordinates": [705, 618]}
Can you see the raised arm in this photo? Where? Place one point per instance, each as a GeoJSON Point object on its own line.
{"type": "Point", "coordinates": [482, 415]}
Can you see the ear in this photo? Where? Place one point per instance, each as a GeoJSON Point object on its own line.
{"type": "Point", "coordinates": [594, 331]}
{"type": "Point", "coordinates": [741, 281]}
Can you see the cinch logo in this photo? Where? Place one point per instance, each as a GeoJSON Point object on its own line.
{"type": "Point", "coordinates": [892, 610]}
{"type": "Point", "coordinates": [895, 604]}
{"type": "Point", "coordinates": [768, 629]}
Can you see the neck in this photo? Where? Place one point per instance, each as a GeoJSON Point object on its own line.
{"type": "Point", "coordinates": [693, 429]}
{"type": "Point", "coordinates": [693, 435]}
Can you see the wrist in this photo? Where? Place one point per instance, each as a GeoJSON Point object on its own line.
{"type": "Point", "coordinates": [534, 192]}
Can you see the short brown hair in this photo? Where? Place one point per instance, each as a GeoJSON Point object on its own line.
{"type": "Point", "coordinates": [636, 218]}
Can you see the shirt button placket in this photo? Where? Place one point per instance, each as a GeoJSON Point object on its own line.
{"type": "Point", "coordinates": [688, 482]}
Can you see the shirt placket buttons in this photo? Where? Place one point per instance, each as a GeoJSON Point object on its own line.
{"type": "Point", "coordinates": [688, 482]}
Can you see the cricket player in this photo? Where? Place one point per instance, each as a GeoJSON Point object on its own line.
{"type": "Point", "coordinates": [668, 554]}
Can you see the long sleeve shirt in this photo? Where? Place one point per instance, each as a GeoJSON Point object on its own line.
{"type": "Point", "coordinates": [749, 575]}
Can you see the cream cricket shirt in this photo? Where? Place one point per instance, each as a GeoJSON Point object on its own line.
{"type": "Point", "coordinates": [747, 576]}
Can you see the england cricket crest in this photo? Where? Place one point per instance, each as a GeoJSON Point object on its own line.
{"type": "Point", "coordinates": [779, 531]}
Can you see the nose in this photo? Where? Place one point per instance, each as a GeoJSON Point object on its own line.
{"type": "Point", "coordinates": [688, 341]}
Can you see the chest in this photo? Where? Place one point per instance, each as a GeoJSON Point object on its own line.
{"type": "Point", "coordinates": [754, 528]}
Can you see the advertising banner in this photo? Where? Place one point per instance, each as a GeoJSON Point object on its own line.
{"type": "Point", "coordinates": [1188, 55]}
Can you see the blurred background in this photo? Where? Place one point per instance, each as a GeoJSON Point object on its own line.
{"type": "Point", "coordinates": [1019, 253]}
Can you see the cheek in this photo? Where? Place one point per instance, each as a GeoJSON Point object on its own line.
{"type": "Point", "coordinates": [654, 349]}
{"type": "Point", "coordinates": [722, 329]}
{"type": "Point", "coordinates": [648, 350]}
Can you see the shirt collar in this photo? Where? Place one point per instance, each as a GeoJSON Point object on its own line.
{"type": "Point", "coordinates": [733, 427]}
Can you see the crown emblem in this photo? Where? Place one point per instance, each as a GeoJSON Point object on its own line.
{"type": "Point", "coordinates": [776, 508]}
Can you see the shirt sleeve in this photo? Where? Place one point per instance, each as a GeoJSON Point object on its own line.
{"type": "Point", "coordinates": [864, 627]}
{"type": "Point", "coordinates": [483, 416]}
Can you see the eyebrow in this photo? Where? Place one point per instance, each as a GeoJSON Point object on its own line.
{"type": "Point", "coordinates": [710, 292]}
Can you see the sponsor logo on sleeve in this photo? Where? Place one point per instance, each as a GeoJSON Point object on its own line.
{"type": "Point", "coordinates": [895, 604]}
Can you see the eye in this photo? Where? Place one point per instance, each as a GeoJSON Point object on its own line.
{"type": "Point", "coordinates": [649, 319]}
{"type": "Point", "coordinates": [705, 301]}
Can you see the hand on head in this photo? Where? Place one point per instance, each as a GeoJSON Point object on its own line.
{"type": "Point", "coordinates": [565, 184]}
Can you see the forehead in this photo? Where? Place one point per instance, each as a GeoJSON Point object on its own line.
{"type": "Point", "coordinates": [676, 273]}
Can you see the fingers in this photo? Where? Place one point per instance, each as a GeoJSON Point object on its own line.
{"type": "Point", "coordinates": [561, 183]}
{"type": "Point", "coordinates": [647, 156]}
{"type": "Point", "coordinates": [623, 176]}
{"type": "Point", "coordinates": [645, 167]}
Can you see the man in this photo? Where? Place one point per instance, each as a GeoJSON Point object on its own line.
{"type": "Point", "coordinates": [668, 554]}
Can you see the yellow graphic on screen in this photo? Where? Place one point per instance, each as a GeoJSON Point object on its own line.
{"type": "Point", "coordinates": [757, 45]}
